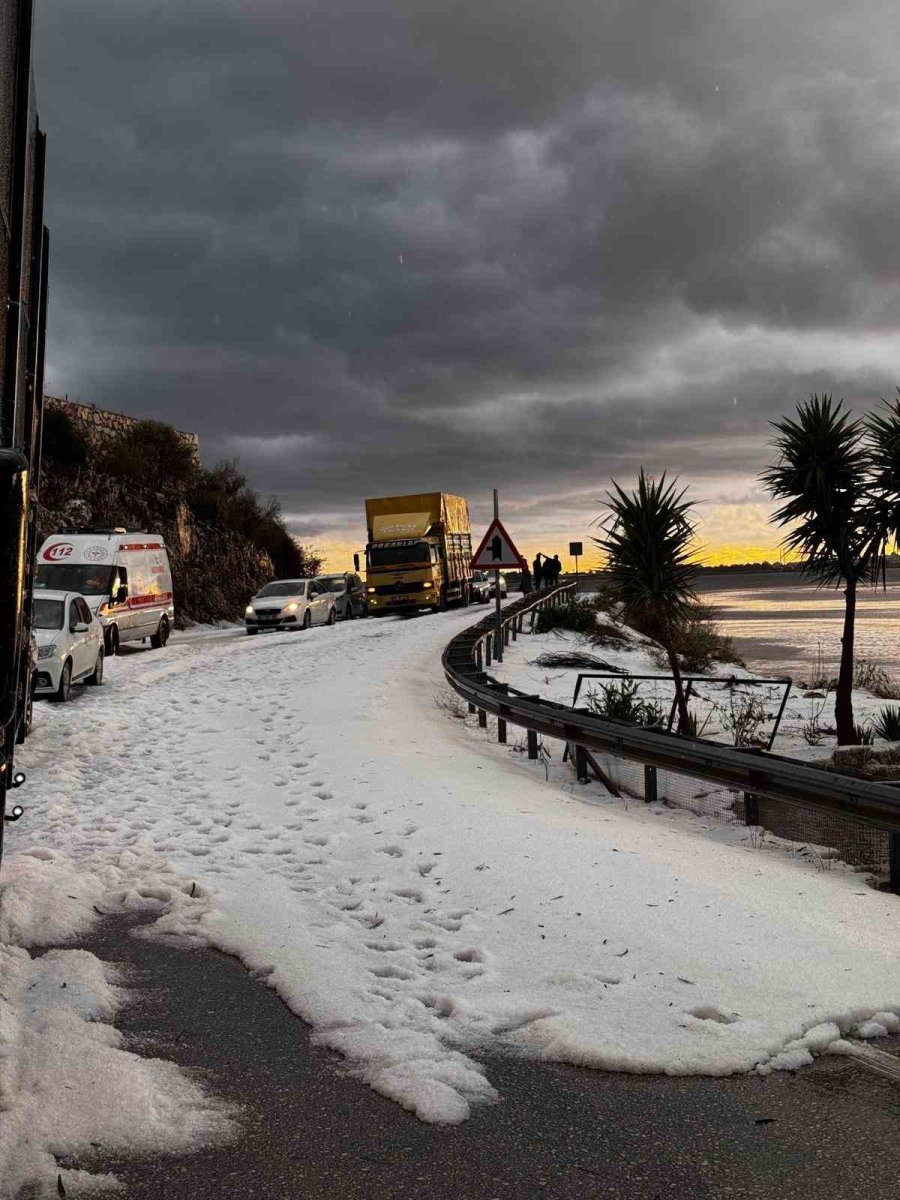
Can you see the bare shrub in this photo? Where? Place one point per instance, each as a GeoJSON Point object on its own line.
{"type": "Point", "coordinates": [744, 717]}
{"type": "Point", "coordinates": [869, 676]}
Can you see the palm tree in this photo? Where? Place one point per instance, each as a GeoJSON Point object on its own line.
{"type": "Point", "coordinates": [648, 538]}
{"type": "Point", "coordinates": [883, 429]}
{"type": "Point", "coordinates": [824, 478]}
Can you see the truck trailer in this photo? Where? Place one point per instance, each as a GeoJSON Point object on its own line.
{"type": "Point", "coordinates": [418, 552]}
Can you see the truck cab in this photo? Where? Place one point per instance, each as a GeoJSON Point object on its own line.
{"type": "Point", "coordinates": [418, 552]}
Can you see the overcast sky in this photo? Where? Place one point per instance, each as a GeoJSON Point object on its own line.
{"type": "Point", "coordinates": [378, 246]}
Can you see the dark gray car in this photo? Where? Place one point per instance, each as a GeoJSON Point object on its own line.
{"type": "Point", "coordinates": [349, 594]}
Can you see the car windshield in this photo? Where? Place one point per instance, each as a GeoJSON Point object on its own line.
{"type": "Point", "coordinates": [399, 556]}
{"type": "Point", "coordinates": [73, 577]}
{"type": "Point", "coordinates": [282, 587]}
{"type": "Point", "coordinates": [48, 614]}
{"type": "Point", "coordinates": [332, 583]}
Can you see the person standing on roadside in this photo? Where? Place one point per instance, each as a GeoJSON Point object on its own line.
{"type": "Point", "coordinates": [538, 569]}
{"type": "Point", "coordinates": [525, 580]}
{"type": "Point", "coordinates": [555, 570]}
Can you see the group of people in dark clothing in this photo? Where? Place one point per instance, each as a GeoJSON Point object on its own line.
{"type": "Point", "coordinates": [542, 574]}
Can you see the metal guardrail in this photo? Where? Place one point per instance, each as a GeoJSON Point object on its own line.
{"type": "Point", "coordinates": [757, 773]}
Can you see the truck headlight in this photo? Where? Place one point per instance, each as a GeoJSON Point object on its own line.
{"type": "Point", "coordinates": [249, 610]}
{"type": "Point", "coordinates": [46, 651]}
{"type": "Point", "coordinates": [371, 591]}
{"type": "Point", "coordinates": [428, 584]}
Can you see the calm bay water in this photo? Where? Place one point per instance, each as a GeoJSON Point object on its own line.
{"type": "Point", "coordinates": [779, 625]}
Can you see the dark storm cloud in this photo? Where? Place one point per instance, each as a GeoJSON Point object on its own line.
{"type": "Point", "coordinates": [416, 244]}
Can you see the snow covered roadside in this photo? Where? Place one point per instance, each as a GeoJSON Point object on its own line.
{"type": "Point", "coordinates": [66, 1081]}
{"type": "Point", "coordinates": [635, 657]}
{"type": "Point", "coordinates": [419, 894]}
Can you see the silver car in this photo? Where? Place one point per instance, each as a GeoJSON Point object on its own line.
{"type": "Point", "coordinates": [290, 604]}
{"type": "Point", "coordinates": [69, 644]}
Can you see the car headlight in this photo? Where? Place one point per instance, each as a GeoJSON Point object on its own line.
{"type": "Point", "coordinates": [46, 651]}
{"type": "Point", "coordinates": [292, 607]}
{"type": "Point", "coordinates": [371, 591]}
{"type": "Point", "coordinates": [427, 585]}
{"type": "Point", "coordinates": [249, 610]}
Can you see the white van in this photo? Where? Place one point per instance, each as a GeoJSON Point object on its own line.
{"type": "Point", "coordinates": [124, 576]}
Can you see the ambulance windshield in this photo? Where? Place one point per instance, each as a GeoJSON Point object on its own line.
{"type": "Point", "coordinates": [86, 578]}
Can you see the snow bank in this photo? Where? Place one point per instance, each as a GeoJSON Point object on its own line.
{"type": "Point", "coordinates": [67, 1085]}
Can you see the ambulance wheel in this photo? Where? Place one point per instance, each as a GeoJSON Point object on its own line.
{"type": "Point", "coordinates": [111, 639]}
{"type": "Point", "coordinates": [159, 639]}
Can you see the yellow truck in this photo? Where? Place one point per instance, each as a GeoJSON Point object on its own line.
{"type": "Point", "coordinates": [418, 552]}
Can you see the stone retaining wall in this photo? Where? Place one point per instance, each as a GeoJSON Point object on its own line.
{"type": "Point", "coordinates": [101, 426]}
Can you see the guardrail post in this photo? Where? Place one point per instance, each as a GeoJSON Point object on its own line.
{"type": "Point", "coordinates": [479, 657]}
{"type": "Point", "coordinates": [501, 731]}
{"type": "Point", "coordinates": [512, 626]}
{"type": "Point", "coordinates": [487, 650]}
{"type": "Point", "coordinates": [482, 719]}
{"type": "Point", "coordinates": [471, 707]}
{"type": "Point", "coordinates": [581, 765]}
{"type": "Point", "coordinates": [751, 809]}
{"type": "Point", "coordinates": [532, 744]}
{"type": "Point", "coordinates": [651, 794]}
{"type": "Point", "coordinates": [894, 862]}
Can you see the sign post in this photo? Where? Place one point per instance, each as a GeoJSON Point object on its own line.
{"type": "Point", "coordinates": [498, 635]}
{"type": "Point", "coordinates": [576, 549]}
{"type": "Point", "coordinates": [495, 553]}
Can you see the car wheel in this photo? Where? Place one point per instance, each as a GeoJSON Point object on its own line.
{"type": "Point", "coordinates": [111, 639]}
{"type": "Point", "coordinates": [159, 639]}
{"type": "Point", "coordinates": [64, 691]}
{"type": "Point", "coordinates": [97, 678]}
{"type": "Point", "coordinates": [307, 620]}
{"type": "Point", "coordinates": [348, 611]}
{"type": "Point", "coordinates": [251, 632]}
{"type": "Point", "coordinates": [332, 616]}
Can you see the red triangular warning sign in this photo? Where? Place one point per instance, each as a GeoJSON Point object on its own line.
{"type": "Point", "coordinates": [496, 551]}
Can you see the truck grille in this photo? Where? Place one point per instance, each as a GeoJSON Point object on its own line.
{"type": "Point", "coordinates": [391, 589]}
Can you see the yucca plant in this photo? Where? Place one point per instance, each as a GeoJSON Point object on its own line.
{"type": "Point", "coordinates": [824, 477]}
{"type": "Point", "coordinates": [887, 723]}
{"type": "Point", "coordinates": [647, 540]}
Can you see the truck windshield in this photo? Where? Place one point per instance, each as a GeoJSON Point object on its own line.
{"type": "Point", "coordinates": [399, 556]}
{"type": "Point", "coordinates": [73, 577]}
{"type": "Point", "coordinates": [48, 614]}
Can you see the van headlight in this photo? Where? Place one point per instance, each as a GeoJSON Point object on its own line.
{"type": "Point", "coordinates": [292, 607]}
{"type": "Point", "coordinates": [46, 651]}
{"type": "Point", "coordinates": [249, 610]}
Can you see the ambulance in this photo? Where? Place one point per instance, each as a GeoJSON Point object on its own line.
{"type": "Point", "coordinates": [124, 576]}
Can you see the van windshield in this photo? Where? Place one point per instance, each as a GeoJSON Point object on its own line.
{"type": "Point", "coordinates": [86, 578]}
{"type": "Point", "coordinates": [394, 555]}
{"type": "Point", "coordinates": [48, 614]}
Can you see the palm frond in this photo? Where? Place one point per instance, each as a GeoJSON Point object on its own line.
{"type": "Point", "coordinates": [647, 540]}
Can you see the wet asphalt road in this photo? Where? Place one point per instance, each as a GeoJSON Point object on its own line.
{"type": "Point", "coordinates": [308, 1129]}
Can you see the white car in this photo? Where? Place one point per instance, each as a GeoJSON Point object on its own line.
{"type": "Point", "coordinates": [502, 587]}
{"type": "Point", "coordinates": [69, 643]}
{"type": "Point", "coordinates": [291, 604]}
